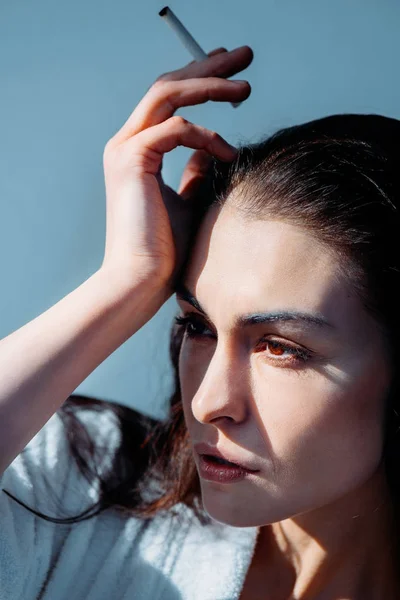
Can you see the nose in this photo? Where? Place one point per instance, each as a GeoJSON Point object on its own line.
{"type": "Point", "coordinates": [223, 391]}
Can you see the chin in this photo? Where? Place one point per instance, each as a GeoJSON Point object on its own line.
{"type": "Point", "coordinates": [228, 508]}
{"type": "Point", "coordinates": [229, 513]}
{"type": "Point", "coordinates": [233, 521]}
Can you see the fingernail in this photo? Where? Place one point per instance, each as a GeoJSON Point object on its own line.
{"type": "Point", "coordinates": [239, 81]}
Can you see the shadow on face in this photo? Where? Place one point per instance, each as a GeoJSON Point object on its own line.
{"type": "Point", "coordinates": [281, 366]}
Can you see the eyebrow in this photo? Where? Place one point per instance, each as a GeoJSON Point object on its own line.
{"type": "Point", "coordinates": [256, 318]}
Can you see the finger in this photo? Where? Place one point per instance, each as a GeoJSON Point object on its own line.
{"type": "Point", "coordinates": [161, 102]}
{"type": "Point", "coordinates": [147, 148]}
{"type": "Point", "coordinates": [217, 51]}
{"type": "Point", "coordinates": [218, 64]}
{"type": "Point", "coordinates": [212, 53]}
{"type": "Point", "coordinates": [194, 172]}
{"type": "Point", "coordinates": [142, 117]}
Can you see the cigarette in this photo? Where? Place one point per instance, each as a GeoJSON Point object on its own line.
{"type": "Point", "coordinates": [186, 38]}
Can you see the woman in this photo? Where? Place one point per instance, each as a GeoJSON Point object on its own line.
{"type": "Point", "coordinates": [284, 259]}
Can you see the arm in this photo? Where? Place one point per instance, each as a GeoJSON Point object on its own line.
{"type": "Point", "coordinates": [44, 361]}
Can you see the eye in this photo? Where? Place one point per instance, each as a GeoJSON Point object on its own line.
{"type": "Point", "coordinates": [192, 324]}
{"type": "Point", "coordinates": [282, 352]}
{"type": "Point", "coordinates": [276, 351]}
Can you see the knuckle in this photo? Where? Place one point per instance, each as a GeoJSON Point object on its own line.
{"type": "Point", "coordinates": [113, 153]}
{"type": "Point", "coordinates": [156, 87]}
{"type": "Point", "coordinates": [162, 77]}
{"type": "Point", "coordinates": [159, 84]}
{"type": "Point", "coordinates": [179, 121]}
{"type": "Point", "coordinates": [108, 149]}
{"type": "Point", "coordinates": [213, 135]}
{"type": "Point", "coordinates": [161, 89]}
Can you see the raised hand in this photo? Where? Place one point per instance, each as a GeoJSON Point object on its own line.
{"type": "Point", "coordinates": [147, 221]}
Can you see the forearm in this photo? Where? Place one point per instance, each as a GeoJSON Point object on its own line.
{"type": "Point", "coordinates": [43, 362]}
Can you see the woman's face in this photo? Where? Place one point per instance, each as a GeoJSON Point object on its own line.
{"type": "Point", "coordinates": [299, 399]}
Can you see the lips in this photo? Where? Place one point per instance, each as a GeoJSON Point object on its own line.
{"type": "Point", "coordinates": [207, 450]}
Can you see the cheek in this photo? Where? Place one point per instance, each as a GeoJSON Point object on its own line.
{"type": "Point", "coordinates": [321, 433]}
{"type": "Point", "coordinates": [194, 361]}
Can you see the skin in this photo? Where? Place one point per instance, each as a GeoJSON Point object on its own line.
{"type": "Point", "coordinates": [314, 429]}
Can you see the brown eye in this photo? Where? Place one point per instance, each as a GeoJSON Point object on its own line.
{"type": "Point", "coordinates": [285, 354]}
{"type": "Point", "coordinates": [275, 348]}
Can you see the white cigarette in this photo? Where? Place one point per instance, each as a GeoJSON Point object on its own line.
{"type": "Point", "coordinates": [186, 38]}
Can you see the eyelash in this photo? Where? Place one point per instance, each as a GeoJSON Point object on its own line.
{"type": "Point", "coordinates": [298, 354]}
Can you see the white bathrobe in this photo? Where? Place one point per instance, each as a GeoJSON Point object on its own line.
{"type": "Point", "coordinates": [108, 557]}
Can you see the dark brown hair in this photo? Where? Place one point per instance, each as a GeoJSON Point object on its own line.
{"type": "Point", "coordinates": [339, 177]}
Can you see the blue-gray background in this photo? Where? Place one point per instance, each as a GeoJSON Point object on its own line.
{"type": "Point", "coordinates": [72, 72]}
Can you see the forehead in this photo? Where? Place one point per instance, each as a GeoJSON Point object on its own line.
{"type": "Point", "coordinates": [240, 265]}
{"type": "Point", "coordinates": [265, 256]}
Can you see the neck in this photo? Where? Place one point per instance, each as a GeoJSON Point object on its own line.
{"type": "Point", "coordinates": [344, 549]}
